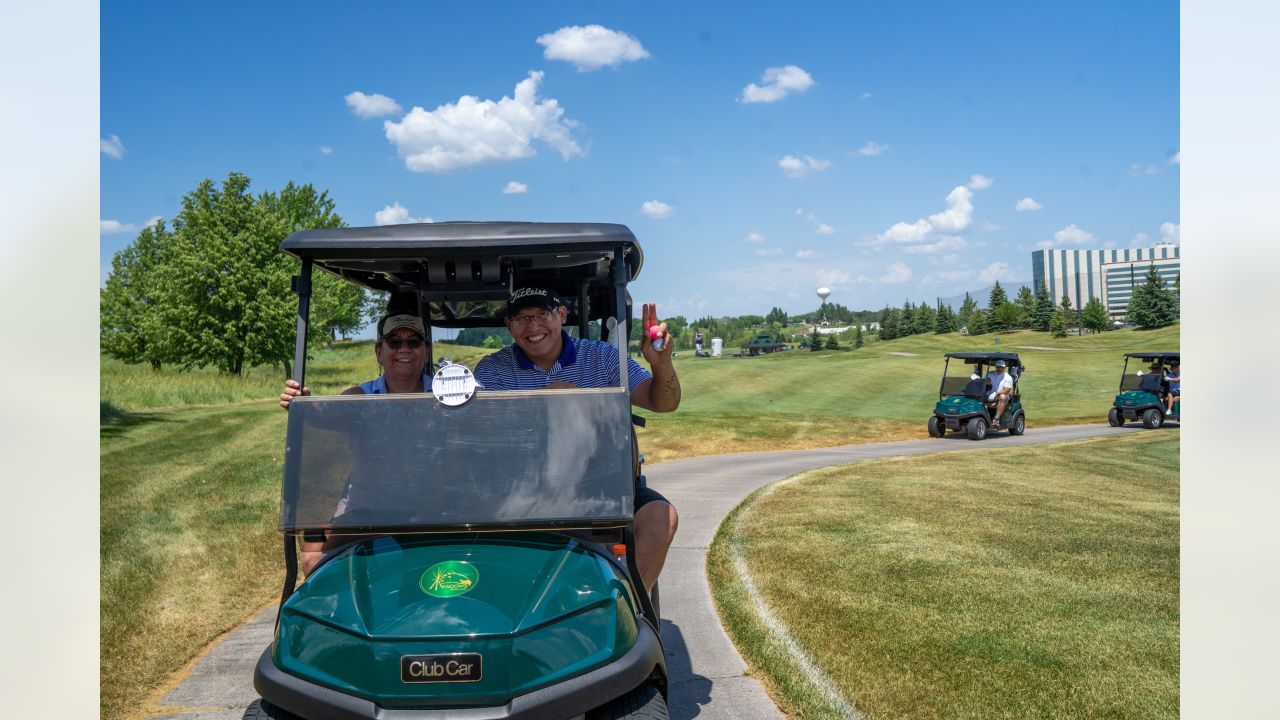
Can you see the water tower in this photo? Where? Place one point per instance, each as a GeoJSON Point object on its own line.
{"type": "Point", "coordinates": [823, 293]}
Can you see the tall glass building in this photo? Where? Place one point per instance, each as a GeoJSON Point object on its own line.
{"type": "Point", "coordinates": [1109, 275]}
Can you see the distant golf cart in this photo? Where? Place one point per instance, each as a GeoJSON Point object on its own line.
{"type": "Point", "coordinates": [1143, 394]}
{"type": "Point", "coordinates": [479, 548]}
{"type": "Point", "coordinates": [962, 397]}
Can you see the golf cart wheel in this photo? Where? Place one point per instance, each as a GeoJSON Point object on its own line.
{"type": "Point", "coordinates": [1152, 419]}
{"type": "Point", "coordinates": [643, 703]}
{"type": "Point", "coordinates": [936, 428]}
{"type": "Point", "coordinates": [976, 428]}
{"type": "Point", "coordinates": [1115, 418]}
{"type": "Point", "coordinates": [262, 710]}
{"type": "Point", "coordinates": [1019, 424]}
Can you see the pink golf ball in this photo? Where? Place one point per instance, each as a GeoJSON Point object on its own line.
{"type": "Point", "coordinates": [654, 332]}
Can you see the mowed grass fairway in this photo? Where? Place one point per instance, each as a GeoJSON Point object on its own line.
{"type": "Point", "coordinates": [1037, 582]}
{"type": "Point", "coordinates": [803, 399]}
{"type": "Point", "coordinates": [191, 462]}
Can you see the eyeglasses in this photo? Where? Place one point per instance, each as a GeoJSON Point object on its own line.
{"type": "Point", "coordinates": [414, 343]}
{"type": "Point", "coordinates": [522, 321]}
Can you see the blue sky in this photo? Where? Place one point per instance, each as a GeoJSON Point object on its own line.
{"type": "Point", "coordinates": [758, 151]}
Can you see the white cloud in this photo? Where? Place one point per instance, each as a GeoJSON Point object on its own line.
{"type": "Point", "coordinates": [980, 182]}
{"type": "Point", "coordinates": [514, 188]}
{"type": "Point", "coordinates": [805, 254]}
{"type": "Point", "coordinates": [825, 229]}
{"type": "Point", "coordinates": [795, 167]}
{"type": "Point", "coordinates": [945, 243]}
{"type": "Point", "coordinates": [656, 209]}
{"type": "Point", "coordinates": [1027, 204]}
{"type": "Point", "coordinates": [473, 131]}
{"type": "Point", "coordinates": [834, 277]}
{"type": "Point", "coordinates": [325, 149]}
{"type": "Point", "coordinates": [865, 96]}
{"type": "Point", "coordinates": [1140, 240]}
{"type": "Point", "coordinates": [908, 233]}
{"type": "Point", "coordinates": [871, 149]}
{"type": "Point", "coordinates": [1140, 169]}
{"type": "Point", "coordinates": [110, 227]}
{"type": "Point", "coordinates": [369, 106]}
{"type": "Point", "coordinates": [1171, 233]}
{"type": "Point", "coordinates": [950, 276]}
{"type": "Point", "coordinates": [1069, 235]}
{"type": "Point", "coordinates": [111, 147]}
{"type": "Point", "coordinates": [777, 83]}
{"type": "Point", "coordinates": [754, 237]}
{"type": "Point", "coordinates": [896, 274]}
{"type": "Point", "coordinates": [396, 214]}
{"type": "Point", "coordinates": [991, 227]}
{"type": "Point", "coordinates": [996, 271]}
{"type": "Point", "coordinates": [766, 252]}
{"type": "Point", "coordinates": [591, 47]}
{"type": "Point", "coordinates": [959, 212]}
{"type": "Point", "coordinates": [1176, 158]}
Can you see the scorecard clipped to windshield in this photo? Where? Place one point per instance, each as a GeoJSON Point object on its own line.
{"type": "Point", "coordinates": [504, 460]}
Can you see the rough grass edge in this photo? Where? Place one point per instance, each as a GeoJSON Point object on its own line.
{"type": "Point", "coordinates": [772, 656]}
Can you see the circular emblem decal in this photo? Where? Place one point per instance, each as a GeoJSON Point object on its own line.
{"type": "Point", "coordinates": [450, 578]}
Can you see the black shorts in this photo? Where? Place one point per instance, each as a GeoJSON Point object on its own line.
{"type": "Point", "coordinates": [646, 495]}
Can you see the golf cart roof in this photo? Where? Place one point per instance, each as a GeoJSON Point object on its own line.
{"type": "Point", "coordinates": [463, 271]}
{"type": "Point", "coordinates": [1154, 355]}
{"type": "Point", "coordinates": [975, 357]}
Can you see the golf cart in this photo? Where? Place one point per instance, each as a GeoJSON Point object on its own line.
{"type": "Point", "coordinates": [479, 548]}
{"type": "Point", "coordinates": [962, 398]}
{"type": "Point", "coordinates": [1142, 394]}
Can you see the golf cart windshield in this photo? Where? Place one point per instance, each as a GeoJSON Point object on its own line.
{"type": "Point", "coordinates": [504, 460]}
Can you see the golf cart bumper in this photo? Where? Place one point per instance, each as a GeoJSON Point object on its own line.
{"type": "Point", "coordinates": [565, 699]}
{"type": "Point", "coordinates": [955, 422]}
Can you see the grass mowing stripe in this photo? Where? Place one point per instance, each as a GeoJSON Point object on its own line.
{"type": "Point", "coordinates": [824, 685]}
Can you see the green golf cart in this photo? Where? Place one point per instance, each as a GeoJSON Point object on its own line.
{"type": "Point", "coordinates": [479, 548]}
{"type": "Point", "coordinates": [963, 402]}
{"type": "Point", "coordinates": [1143, 395]}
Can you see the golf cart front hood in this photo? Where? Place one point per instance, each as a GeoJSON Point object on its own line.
{"type": "Point", "coordinates": [383, 588]}
{"type": "Point", "coordinates": [539, 608]}
{"type": "Point", "coordinates": [1136, 399]}
{"type": "Point", "coordinates": [957, 405]}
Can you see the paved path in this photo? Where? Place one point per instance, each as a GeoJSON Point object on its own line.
{"type": "Point", "coordinates": [708, 677]}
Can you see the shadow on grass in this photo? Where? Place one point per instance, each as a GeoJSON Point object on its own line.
{"type": "Point", "coordinates": [113, 422]}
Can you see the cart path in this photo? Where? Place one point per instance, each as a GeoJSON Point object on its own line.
{"type": "Point", "coordinates": [708, 676]}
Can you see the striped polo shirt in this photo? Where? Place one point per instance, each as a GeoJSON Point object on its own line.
{"type": "Point", "coordinates": [585, 363]}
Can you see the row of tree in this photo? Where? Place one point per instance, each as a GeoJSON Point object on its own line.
{"type": "Point", "coordinates": [213, 288]}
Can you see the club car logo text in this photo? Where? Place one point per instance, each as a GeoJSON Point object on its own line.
{"type": "Point", "coordinates": [456, 667]}
{"type": "Point", "coordinates": [449, 579]}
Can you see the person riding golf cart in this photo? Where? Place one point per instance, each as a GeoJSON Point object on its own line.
{"type": "Point", "coordinates": [1148, 395]}
{"type": "Point", "coordinates": [978, 403]}
{"type": "Point", "coordinates": [479, 546]}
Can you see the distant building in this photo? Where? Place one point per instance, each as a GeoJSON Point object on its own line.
{"type": "Point", "coordinates": [1108, 275]}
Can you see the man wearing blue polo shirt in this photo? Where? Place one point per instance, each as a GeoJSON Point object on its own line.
{"type": "Point", "coordinates": [545, 356]}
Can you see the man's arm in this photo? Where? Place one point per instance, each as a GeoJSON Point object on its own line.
{"type": "Point", "coordinates": [660, 393]}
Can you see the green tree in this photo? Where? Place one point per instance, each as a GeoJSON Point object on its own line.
{"type": "Point", "coordinates": [1043, 311]}
{"type": "Point", "coordinates": [1005, 317]}
{"type": "Point", "coordinates": [889, 324]}
{"type": "Point", "coordinates": [966, 311]}
{"type": "Point", "coordinates": [815, 340]}
{"type": "Point", "coordinates": [1153, 304]}
{"type": "Point", "coordinates": [1057, 323]}
{"type": "Point", "coordinates": [1027, 302]}
{"type": "Point", "coordinates": [946, 321]}
{"type": "Point", "coordinates": [925, 319]}
{"type": "Point", "coordinates": [997, 298]}
{"type": "Point", "coordinates": [129, 326]}
{"type": "Point", "coordinates": [776, 315]}
{"type": "Point", "coordinates": [832, 343]}
{"type": "Point", "coordinates": [1094, 316]}
{"type": "Point", "coordinates": [1068, 313]}
{"type": "Point", "coordinates": [857, 337]}
{"type": "Point", "coordinates": [337, 306]}
{"type": "Point", "coordinates": [907, 321]}
{"type": "Point", "coordinates": [978, 322]}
